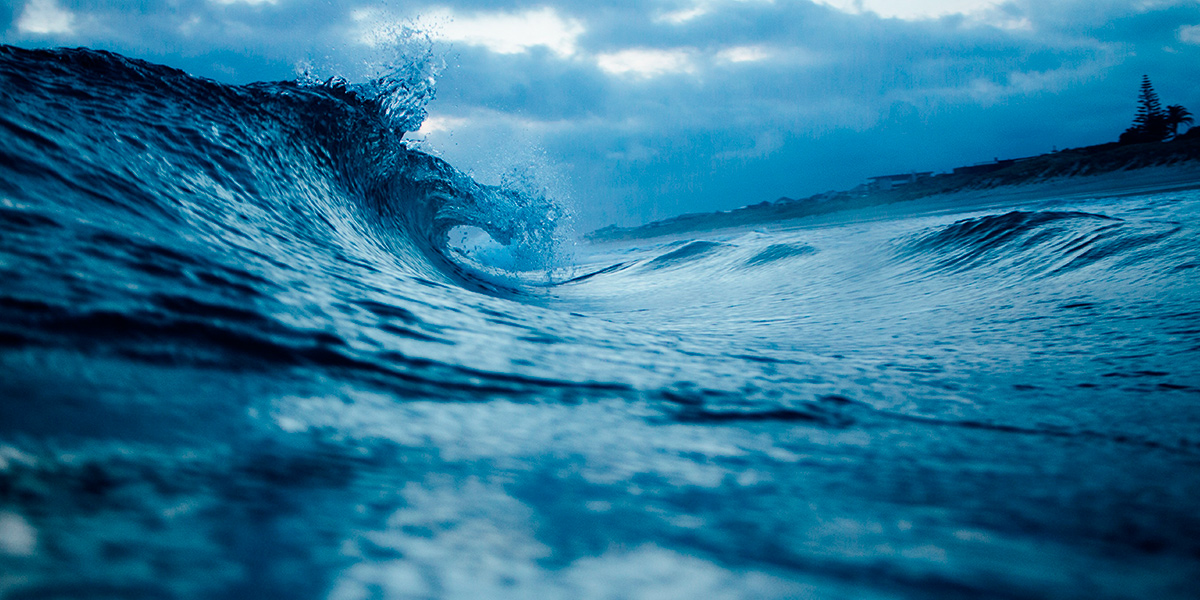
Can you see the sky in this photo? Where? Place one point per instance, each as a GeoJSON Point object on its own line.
{"type": "Point", "coordinates": [635, 110]}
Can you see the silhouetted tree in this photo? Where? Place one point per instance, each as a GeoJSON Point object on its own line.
{"type": "Point", "coordinates": [1177, 115]}
{"type": "Point", "coordinates": [1150, 124]}
{"type": "Point", "coordinates": [1149, 108]}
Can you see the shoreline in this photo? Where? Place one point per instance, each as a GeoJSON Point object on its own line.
{"type": "Point", "coordinates": [1150, 180]}
{"type": "Point", "coordinates": [1102, 171]}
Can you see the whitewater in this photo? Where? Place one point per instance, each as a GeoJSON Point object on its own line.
{"type": "Point", "coordinates": [255, 344]}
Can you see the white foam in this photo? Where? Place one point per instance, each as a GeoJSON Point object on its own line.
{"type": "Point", "coordinates": [17, 536]}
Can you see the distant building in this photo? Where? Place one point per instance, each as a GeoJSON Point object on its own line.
{"type": "Point", "coordinates": [884, 183]}
{"type": "Point", "coordinates": [982, 168]}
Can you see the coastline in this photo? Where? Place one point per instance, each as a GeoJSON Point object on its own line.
{"type": "Point", "coordinates": [1149, 180]}
{"type": "Point", "coordinates": [1100, 171]}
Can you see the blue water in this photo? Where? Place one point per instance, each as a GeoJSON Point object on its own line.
{"type": "Point", "coordinates": [254, 345]}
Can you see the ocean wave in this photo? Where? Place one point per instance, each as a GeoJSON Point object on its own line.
{"type": "Point", "coordinates": [1039, 242]}
{"type": "Point", "coordinates": [305, 163]}
{"type": "Point", "coordinates": [777, 252]}
{"type": "Point", "coordinates": [685, 253]}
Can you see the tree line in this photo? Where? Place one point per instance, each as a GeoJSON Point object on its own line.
{"type": "Point", "coordinates": [1153, 123]}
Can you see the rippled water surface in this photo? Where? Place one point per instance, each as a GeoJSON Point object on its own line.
{"type": "Point", "coordinates": [241, 358]}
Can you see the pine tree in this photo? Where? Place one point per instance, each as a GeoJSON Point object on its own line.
{"type": "Point", "coordinates": [1151, 121]}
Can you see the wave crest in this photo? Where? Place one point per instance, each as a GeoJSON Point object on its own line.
{"type": "Point", "coordinates": [1042, 242]}
{"type": "Point", "coordinates": [264, 164]}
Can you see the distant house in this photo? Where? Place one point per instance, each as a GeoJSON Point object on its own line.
{"type": "Point", "coordinates": [988, 167]}
{"type": "Point", "coordinates": [884, 183]}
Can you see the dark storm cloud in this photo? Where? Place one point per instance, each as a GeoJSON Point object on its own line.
{"type": "Point", "coordinates": [534, 84]}
{"type": "Point", "coordinates": [655, 108]}
{"type": "Point", "coordinates": [233, 42]}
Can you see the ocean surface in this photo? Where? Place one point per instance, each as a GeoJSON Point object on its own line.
{"type": "Point", "coordinates": [253, 344]}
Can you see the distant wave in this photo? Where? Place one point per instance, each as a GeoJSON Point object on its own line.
{"type": "Point", "coordinates": [1038, 242]}
{"type": "Point", "coordinates": [685, 253]}
{"type": "Point", "coordinates": [776, 252]}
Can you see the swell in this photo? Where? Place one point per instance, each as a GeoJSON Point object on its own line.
{"type": "Point", "coordinates": [1041, 242]}
{"type": "Point", "coordinates": [686, 253]}
{"type": "Point", "coordinates": [836, 412]}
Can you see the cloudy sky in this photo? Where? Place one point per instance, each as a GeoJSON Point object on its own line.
{"type": "Point", "coordinates": [637, 110]}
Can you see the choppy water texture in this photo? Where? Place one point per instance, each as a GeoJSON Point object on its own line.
{"type": "Point", "coordinates": [238, 359]}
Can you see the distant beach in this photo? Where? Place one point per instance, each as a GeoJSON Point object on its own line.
{"type": "Point", "coordinates": [1095, 171]}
